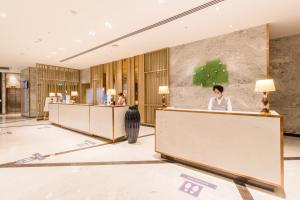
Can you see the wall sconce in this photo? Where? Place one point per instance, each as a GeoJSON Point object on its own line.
{"type": "Point", "coordinates": [164, 90]}
{"type": "Point", "coordinates": [265, 86]}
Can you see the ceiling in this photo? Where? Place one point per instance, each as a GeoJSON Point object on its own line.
{"type": "Point", "coordinates": [47, 31]}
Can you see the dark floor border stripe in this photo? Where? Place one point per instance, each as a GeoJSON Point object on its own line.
{"type": "Point", "coordinates": [292, 134]}
{"type": "Point", "coordinates": [15, 121]}
{"type": "Point", "coordinates": [24, 125]}
{"type": "Point", "coordinates": [291, 158]}
{"type": "Point", "coordinates": [66, 164]}
{"type": "Point", "coordinates": [243, 190]}
{"type": "Point", "coordinates": [73, 150]}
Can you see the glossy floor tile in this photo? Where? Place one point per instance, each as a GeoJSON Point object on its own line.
{"type": "Point", "coordinates": [48, 162]}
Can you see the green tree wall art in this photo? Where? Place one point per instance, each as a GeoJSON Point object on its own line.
{"type": "Point", "coordinates": [213, 72]}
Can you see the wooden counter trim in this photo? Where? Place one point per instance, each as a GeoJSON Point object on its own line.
{"type": "Point", "coordinates": [281, 185]}
{"type": "Point", "coordinates": [220, 113]}
{"type": "Point", "coordinates": [282, 150]}
{"type": "Point", "coordinates": [113, 124]}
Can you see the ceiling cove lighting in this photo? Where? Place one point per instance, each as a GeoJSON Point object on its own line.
{"type": "Point", "coordinates": [152, 26]}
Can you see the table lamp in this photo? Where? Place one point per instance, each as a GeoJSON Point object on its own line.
{"type": "Point", "coordinates": [265, 86]}
{"type": "Point", "coordinates": [51, 94]}
{"type": "Point", "coordinates": [164, 90]}
{"type": "Point", "coordinates": [74, 95]}
{"type": "Point", "coordinates": [111, 93]}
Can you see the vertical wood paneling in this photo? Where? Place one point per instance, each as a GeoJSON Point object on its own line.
{"type": "Point", "coordinates": [54, 79]}
{"type": "Point", "coordinates": [141, 85]}
{"type": "Point", "coordinates": [152, 72]}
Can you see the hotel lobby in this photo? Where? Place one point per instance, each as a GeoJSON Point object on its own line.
{"type": "Point", "coordinates": [156, 99]}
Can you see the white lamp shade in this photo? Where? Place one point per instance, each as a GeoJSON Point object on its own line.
{"type": "Point", "coordinates": [266, 85]}
{"type": "Point", "coordinates": [111, 92]}
{"type": "Point", "coordinates": [74, 93]}
{"type": "Point", "coordinates": [51, 94]}
{"type": "Point", "coordinates": [164, 89]}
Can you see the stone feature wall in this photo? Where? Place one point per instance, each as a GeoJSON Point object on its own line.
{"type": "Point", "coordinates": [285, 70]}
{"type": "Point", "coordinates": [28, 96]}
{"type": "Point", "coordinates": [244, 52]}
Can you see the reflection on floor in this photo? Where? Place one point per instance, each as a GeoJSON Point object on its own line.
{"type": "Point", "coordinates": [42, 161]}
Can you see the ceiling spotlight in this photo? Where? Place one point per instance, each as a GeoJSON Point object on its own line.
{"type": "Point", "coordinates": [161, 1]}
{"type": "Point", "coordinates": [73, 12]}
{"type": "Point", "coordinates": [3, 15]}
{"type": "Point", "coordinates": [92, 33]}
{"type": "Point", "coordinates": [108, 25]}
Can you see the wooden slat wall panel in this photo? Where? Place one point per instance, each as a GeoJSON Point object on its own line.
{"type": "Point", "coordinates": [156, 74]}
{"type": "Point", "coordinates": [54, 79]}
{"type": "Point", "coordinates": [152, 72]}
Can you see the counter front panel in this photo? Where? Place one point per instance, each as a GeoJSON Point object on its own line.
{"type": "Point", "coordinates": [74, 117]}
{"type": "Point", "coordinates": [247, 145]}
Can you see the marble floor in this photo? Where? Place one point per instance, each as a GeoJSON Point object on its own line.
{"type": "Point", "coordinates": [41, 161]}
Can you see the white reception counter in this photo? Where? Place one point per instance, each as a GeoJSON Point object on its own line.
{"type": "Point", "coordinates": [104, 121]}
{"type": "Point", "coordinates": [240, 144]}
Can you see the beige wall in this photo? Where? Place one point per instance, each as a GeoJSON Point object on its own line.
{"type": "Point", "coordinates": [244, 53]}
{"type": "Point", "coordinates": [12, 80]}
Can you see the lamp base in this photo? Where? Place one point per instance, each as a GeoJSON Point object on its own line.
{"type": "Point", "coordinates": [265, 110]}
{"type": "Point", "coordinates": [164, 101]}
{"type": "Point", "coordinates": [266, 104]}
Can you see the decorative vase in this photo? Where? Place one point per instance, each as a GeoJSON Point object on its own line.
{"type": "Point", "coordinates": [132, 124]}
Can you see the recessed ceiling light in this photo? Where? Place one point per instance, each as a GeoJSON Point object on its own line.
{"type": "Point", "coordinates": [108, 25]}
{"type": "Point", "coordinates": [3, 15]}
{"type": "Point", "coordinates": [78, 41]}
{"type": "Point", "coordinates": [134, 38]}
{"type": "Point", "coordinates": [181, 22]}
{"type": "Point", "coordinates": [217, 8]}
{"type": "Point", "coordinates": [92, 33]}
{"type": "Point", "coordinates": [73, 12]}
{"type": "Point", "coordinates": [230, 26]}
{"type": "Point", "coordinates": [161, 1]}
{"type": "Point", "coordinates": [61, 49]}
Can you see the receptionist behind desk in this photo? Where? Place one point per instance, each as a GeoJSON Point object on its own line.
{"type": "Point", "coordinates": [219, 102]}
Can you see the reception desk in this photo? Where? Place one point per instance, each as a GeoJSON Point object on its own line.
{"type": "Point", "coordinates": [104, 121]}
{"type": "Point", "coordinates": [243, 145]}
